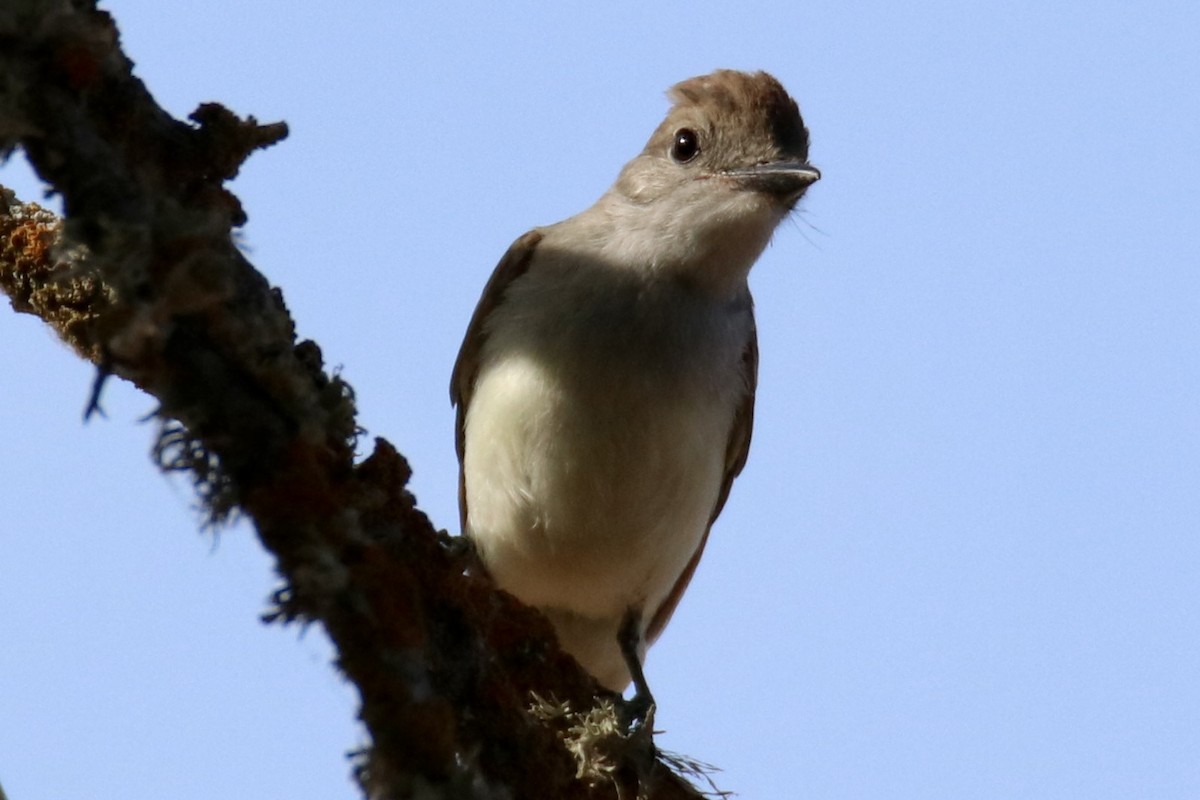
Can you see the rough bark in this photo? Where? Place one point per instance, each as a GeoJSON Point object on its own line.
{"type": "Point", "coordinates": [143, 278]}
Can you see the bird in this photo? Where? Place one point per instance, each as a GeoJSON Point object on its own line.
{"type": "Point", "coordinates": [604, 389]}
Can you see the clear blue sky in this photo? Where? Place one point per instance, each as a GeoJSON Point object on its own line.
{"type": "Point", "coordinates": [963, 560]}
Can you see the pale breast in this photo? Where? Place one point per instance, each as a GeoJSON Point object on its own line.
{"type": "Point", "coordinates": [596, 437]}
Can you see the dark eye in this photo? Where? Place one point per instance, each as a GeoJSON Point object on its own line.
{"type": "Point", "coordinates": [686, 145]}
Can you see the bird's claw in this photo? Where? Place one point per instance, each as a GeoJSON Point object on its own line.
{"type": "Point", "coordinates": [636, 715]}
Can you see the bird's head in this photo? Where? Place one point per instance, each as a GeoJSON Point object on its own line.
{"type": "Point", "coordinates": [727, 164]}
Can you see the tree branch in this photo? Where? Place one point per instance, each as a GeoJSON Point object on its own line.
{"type": "Point", "coordinates": [143, 279]}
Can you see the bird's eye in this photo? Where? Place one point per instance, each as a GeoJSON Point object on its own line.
{"type": "Point", "coordinates": [686, 145]}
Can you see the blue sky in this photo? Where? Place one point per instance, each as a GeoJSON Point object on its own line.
{"type": "Point", "coordinates": [963, 559]}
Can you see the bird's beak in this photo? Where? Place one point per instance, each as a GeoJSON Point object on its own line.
{"type": "Point", "coordinates": [786, 179]}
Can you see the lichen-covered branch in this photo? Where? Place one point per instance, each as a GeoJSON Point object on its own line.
{"type": "Point", "coordinates": [143, 278]}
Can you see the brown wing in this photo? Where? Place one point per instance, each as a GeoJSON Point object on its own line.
{"type": "Point", "coordinates": [736, 452]}
{"type": "Point", "coordinates": [462, 381]}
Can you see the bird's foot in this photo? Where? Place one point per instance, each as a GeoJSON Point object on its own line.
{"type": "Point", "coordinates": [637, 713]}
{"type": "Point", "coordinates": [462, 551]}
{"type": "Point", "coordinates": [636, 716]}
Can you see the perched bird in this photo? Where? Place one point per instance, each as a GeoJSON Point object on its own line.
{"type": "Point", "coordinates": [605, 386]}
